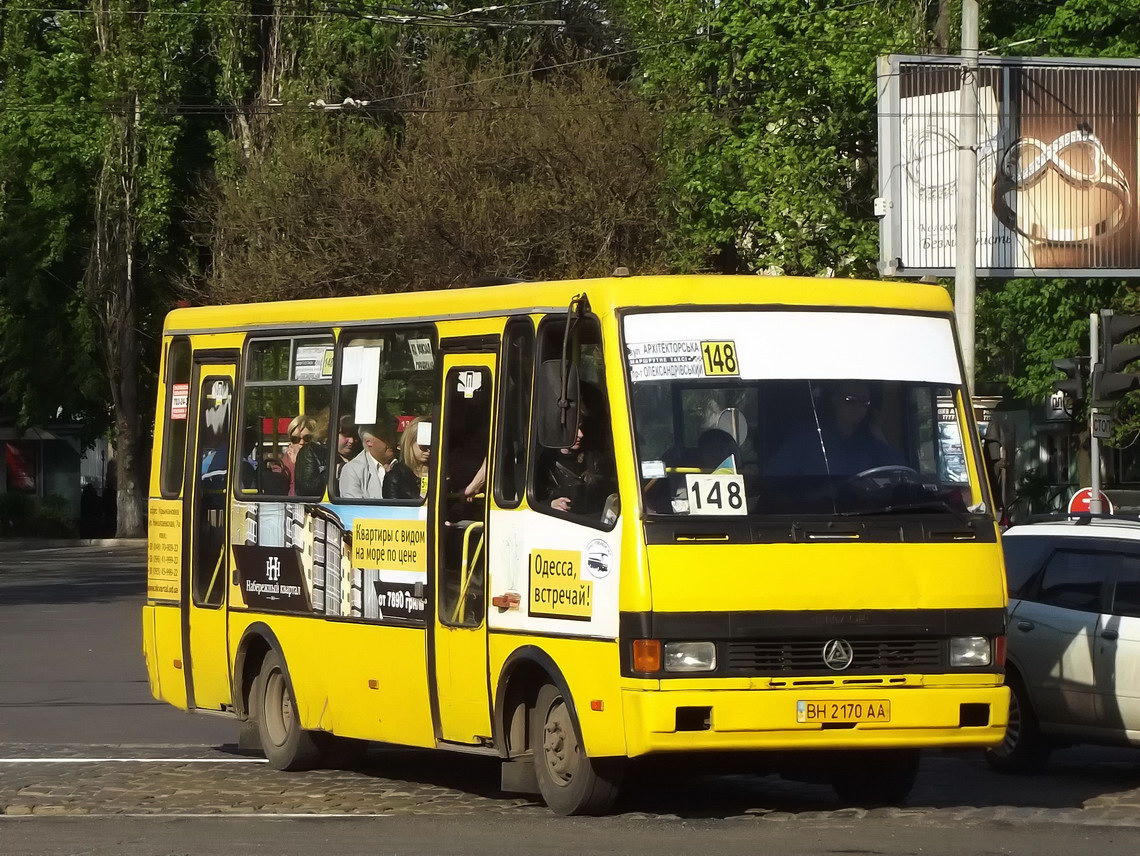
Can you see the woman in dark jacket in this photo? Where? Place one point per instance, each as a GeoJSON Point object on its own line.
{"type": "Point", "coordinates": [579, 479]}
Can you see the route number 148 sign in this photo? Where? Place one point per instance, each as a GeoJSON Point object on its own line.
{"type": "Point", "coordinates": [716, 494]}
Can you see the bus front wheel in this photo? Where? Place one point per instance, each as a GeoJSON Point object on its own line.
{"type": "Point", "coordinates": [286, 745]}
{"type": "Point", "coordinates": [569, 780]}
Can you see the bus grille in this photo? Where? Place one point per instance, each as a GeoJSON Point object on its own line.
{"type": "Point", "coordinates": [805, 657]}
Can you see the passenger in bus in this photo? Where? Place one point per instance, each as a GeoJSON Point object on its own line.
{"type": "Point", "coordinates": [842, 437]}
{"type": "Point", "coordinates": [310, 469]}
{"type": "Point", "coordinates": [300, 432]}
{"type": "Point", "coordinates": [400, 482]}
{"type": "Point", "coordinates": [581, 478]}
{"type": "Point", "coordinates": [414, 455]}
{"type": "Point", "coordinates": [347, 443]}
{"type": "Point", "coordinates": [363, 477]}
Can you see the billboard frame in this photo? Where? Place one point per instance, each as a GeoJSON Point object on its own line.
{"type": "Point", "coordinates": [889, 112]}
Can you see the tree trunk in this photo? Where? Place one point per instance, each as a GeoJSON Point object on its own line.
{"type": "Point", "coordinates": [942, 27]}
{"type": "Point", "coordinates": [111, 282]}
{"type": "Point", "coordinates": [130, 461]}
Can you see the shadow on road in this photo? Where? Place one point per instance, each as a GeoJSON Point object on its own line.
{"type": "Point", "coordinates": [1079, 778]}
{"type": "Point", "coordinates": [71, 575]}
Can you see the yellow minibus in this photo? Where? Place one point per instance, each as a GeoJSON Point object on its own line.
{"type": "Point", "coordinates": [572, 524]}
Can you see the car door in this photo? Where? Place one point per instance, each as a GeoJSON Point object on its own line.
{"type": "Point", "coordinates": [1118, 651]}
{"type": "Point", "coordinates": [1054, 630]}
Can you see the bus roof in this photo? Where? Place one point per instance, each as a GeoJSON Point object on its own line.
{"type": "Point", "coordinates": [605, 294]}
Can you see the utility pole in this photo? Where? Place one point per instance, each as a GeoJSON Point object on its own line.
{"type": "Point", "coordinates": [1094, 441]}
{"type": "Point", "coordinates": [965, 238]}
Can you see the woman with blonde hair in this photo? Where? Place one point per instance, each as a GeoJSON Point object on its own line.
{"type": "Point", "coordinates": [413, 455]}
{"type": "Point", "coordinates": [301, 431]}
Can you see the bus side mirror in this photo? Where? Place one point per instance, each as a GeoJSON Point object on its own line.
{"type": "Point", "coordinates": [557, 422]}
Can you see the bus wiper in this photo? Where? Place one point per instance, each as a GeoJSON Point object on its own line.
{"type": "Point", "coordinates": [929, 505]}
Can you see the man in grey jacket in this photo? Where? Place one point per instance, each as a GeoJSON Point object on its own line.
{"type": "Point", "coordinates": [363, 476]}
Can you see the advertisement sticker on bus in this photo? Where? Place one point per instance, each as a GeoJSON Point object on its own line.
{"type": "Point", "coordinates": [179, 400]}
{"type": "Point", "coordinates": [164, 550]}
{"type": "Point", "coordinates": [272, 578]}
{"type": "Point", "coordinates": [557, 589]}
{"type": "Point", "coordinates": [397, 545]}
{"type": "Point", "coordinates": [400, 600]}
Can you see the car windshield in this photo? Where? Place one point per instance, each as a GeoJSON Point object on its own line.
{"type": "Point", "coordinates": [716, 439]}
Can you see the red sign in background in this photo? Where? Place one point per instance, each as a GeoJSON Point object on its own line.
{"type": "Point", "coordinates": [1079, 504]}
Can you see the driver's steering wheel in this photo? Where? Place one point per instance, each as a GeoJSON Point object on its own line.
{"type": "Point", "coordinates": [895, 474]}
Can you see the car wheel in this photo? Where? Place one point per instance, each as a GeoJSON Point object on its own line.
{"type": "Point", "coordinates": [570, 782]}
{"type": "Point", "coordinates": [1023, 750]}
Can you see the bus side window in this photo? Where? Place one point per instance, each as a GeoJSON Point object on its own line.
{"type": "Point", "coordinates": [177, 416]}
{"type": "Point", "coordinates": [384, 405]}
{"type": "Point", "coordinates": [514, 412]}
{"type": "Point", "coordinates": [579, 482]}
{"type": "Point", "coordinates": [287, 397]}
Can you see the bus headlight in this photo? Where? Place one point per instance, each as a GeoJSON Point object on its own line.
{"type": "Point", "coordinates": [968, 651]}
{"type": "Point", "coordinates": [690, 656]}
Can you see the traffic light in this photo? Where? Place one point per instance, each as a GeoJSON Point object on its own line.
{"type": "Point", "coordinates": [1074, 384]}
{"type": "Point", "coordinates": [1109, 382]}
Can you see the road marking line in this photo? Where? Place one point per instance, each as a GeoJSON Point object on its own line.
{"type": "Point", "coordinates": [133, 761]}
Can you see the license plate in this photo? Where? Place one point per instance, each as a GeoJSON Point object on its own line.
{"type": "Point", "coordinates": [857, 710]}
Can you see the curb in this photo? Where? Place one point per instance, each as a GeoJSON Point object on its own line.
{"type": "Point", "coordinates": [57, 543]}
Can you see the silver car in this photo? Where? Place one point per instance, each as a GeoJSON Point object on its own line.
{"type": "Point", "coordinates": [1073, 664]}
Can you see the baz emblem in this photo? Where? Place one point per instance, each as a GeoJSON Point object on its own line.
{"type": "Point", "coordinates": [838, 654]}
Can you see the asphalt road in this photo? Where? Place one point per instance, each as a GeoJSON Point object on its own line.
{"type": "Point", "coordinates": [71, 667]}
{"type": "Point", "coordinates": [89, 763]}
{"type": "Point", "coordinates": [581, 837]}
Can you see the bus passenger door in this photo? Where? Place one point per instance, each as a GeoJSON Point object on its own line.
{"type": "Point", "coordinates": [460, 521]}
{"type": "Point", "coordinates": [206, 512]}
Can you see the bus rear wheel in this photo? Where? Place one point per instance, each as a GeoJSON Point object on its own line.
{"type": "Point", "coordinates": [569, 780]}
{"type": "Point", "coordinates": [285, 744]}
{"type": "Point", "coordinates": [871, 779]}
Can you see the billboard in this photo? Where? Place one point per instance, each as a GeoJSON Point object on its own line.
{"type": "Point", "coordinates": [1057, 166]}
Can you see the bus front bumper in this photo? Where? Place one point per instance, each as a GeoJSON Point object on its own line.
{"type": "Point", "coordinates": [741, 720]}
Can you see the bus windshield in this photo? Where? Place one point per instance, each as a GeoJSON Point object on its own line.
{"type": "Point", "coordinates": [715, 436]}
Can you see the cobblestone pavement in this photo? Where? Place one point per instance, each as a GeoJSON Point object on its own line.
{"type": "Point", "coordinates": [1087, 787]}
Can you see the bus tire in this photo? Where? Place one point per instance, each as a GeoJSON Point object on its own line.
{"type": "Point", "coordinates": [875, 778]}
{"type": "Point", "coordinates": [1023, 749]}
{"type": "Point", "coordinates": [569, 780]}
{"type": "Point", "coordinates": [285, 744]}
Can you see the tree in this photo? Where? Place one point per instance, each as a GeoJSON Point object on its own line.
{"type": "Point", "coordinates": [47, 338]}
{"type": "Point", "coordinates": [91, 139]}
{"type": "Point", "coordinates": [771, 132]}
{"type": "Point", "coordinates": [483, 173]}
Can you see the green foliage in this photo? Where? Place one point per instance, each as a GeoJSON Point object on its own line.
{"type": "Point", "coordinates": [1025, 324]}
{"type": "Point", "coordinates": [46, 152]}
{"type": "Point", "coordinates": [771, 127]}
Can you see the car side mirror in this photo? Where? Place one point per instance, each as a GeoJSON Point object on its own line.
{"type": "Point", "coordinates": [557, 419]}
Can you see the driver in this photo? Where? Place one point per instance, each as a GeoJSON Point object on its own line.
{"type": "Point", "coordinates": [845, 441]}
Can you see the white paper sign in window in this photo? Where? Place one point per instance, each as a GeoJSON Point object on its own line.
{"type": "Point", "coordinates": [369, 389]}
